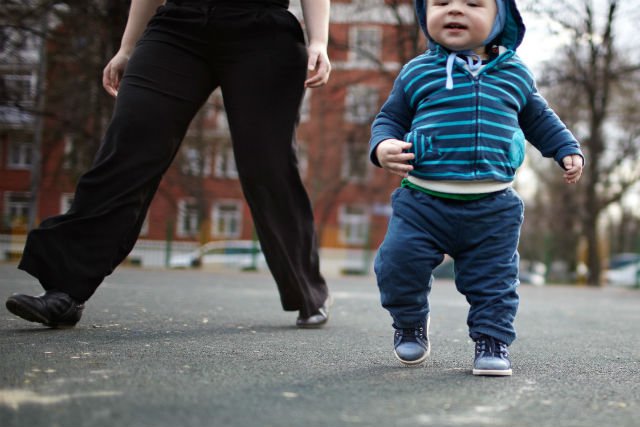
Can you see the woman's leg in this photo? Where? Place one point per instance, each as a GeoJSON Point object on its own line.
{"type": "Point", "coordinates": [262, 81]}
{"type": "Point", "coordinates": [164, 85]}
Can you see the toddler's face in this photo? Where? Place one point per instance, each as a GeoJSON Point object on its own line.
{"type": "Point", "coordinates": [461, 24]}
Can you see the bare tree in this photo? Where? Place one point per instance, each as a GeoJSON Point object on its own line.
{"type": "Point", "coordinates": [595, 87]}
{"type": "Point", "coordinates": [373, 66]}
{"type": "Point", "coordinates": [62, 47]}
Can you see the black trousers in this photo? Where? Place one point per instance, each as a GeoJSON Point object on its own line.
{"type": "Point", "coordinates": [255, 53]}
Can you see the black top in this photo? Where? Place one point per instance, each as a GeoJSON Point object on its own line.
{"type": "Point", "coordinates": [282, 3]}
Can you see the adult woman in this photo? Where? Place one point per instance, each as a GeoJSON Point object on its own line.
{"type": "Point", "coordinates": [172, 57]}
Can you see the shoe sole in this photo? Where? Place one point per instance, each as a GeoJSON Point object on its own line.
{"type": "Point", "coordinates": [26, 313]}
{"type": "Point", "coordinates": [492, 373]}
{"type": "Point", "coordinates": [327, 304]}
{"type": "Point", "coordinates": [423, 358]}
{"type": "Point", "coordinates": [312, 325]}
{"type": "Point", "coordinates": [414, 362]}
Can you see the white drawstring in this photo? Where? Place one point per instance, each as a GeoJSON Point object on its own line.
{"type": "Point", "coordinates": [473, 61]}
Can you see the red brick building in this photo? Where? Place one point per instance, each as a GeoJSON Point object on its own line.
{"type": "Point", "coordinates": [200, 198]}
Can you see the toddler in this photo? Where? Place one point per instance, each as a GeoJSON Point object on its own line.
{"type": "Point", "coordinates": [454, 127]}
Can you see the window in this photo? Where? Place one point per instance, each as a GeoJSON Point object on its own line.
{"type": "Point", "coordinates": [365, 45]}
{"type": "Point", "coordinates": [76, 156]}
{"type": "Point", "coordinates": [225, 164]}
{"type": "Point", "coordinates": [368, 3]}
{"type": "Point", "coordinates": [19, 46]}
{"type": "Point", "coordinates": [303, 158]}
{"type": "Point", "coordinates": [20, 155]}
{"type": "Point", "coordinates": [217, 108]}
{"type": "Point", "coordinates": [66, 200]}
{"type": "Point", "coordinates": [305, 107]}
{"type": "Point", "coordinates": [16, 209]}
{"type": "Point", "coordinates": [355, 164]}
{"type": "Point", "coordinates": [188, 219]}
{"type": "Point", "coordinates": [361, 104]}
{"type": "Point", "coordinates": [354, 224]}
{"type": "Point", "coordinates": [226, 219]}
{"type": "Point", "coordinates": [195, 161]}
{"type": "Point", "coordinates": [145, 226]}
{"type": "Point", "coordinates": [18, 88]}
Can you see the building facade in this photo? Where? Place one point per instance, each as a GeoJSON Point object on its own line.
{"type": "Point", "coordinates": [200, 199]}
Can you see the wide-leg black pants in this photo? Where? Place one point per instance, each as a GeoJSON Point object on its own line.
{"type": "Point", "coordinates": [255, 53]}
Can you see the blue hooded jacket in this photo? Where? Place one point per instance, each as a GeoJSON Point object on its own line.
{"type": "Point", "coordinates": [475, 130]}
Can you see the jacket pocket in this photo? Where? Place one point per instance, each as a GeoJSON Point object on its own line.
{"type": "Point", "coordinates": [421, 146]}
{"type": "Point", "coordinates": [516, 149]}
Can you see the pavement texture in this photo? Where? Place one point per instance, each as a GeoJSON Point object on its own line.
{"type": "Point", "coordinates": [195, 348]}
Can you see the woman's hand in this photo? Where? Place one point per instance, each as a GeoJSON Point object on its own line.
{"type": "Point", "coordinates": [112, 73]}
{"type": "Point", "coordinates": [319, 66]}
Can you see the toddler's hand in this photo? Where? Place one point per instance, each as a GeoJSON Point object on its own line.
{"type": "Point", "coordinates": [573, 168]}
{"type": "Point", "coordinates": [392, 157]}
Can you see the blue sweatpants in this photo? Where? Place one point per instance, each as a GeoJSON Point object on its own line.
{"type": "Point", "coordinates": [482, 238]}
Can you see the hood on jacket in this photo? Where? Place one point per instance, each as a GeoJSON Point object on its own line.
{"type": "Point", "coordinates": [512, 32]}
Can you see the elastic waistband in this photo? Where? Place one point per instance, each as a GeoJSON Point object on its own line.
{"type": "Point", "coordinates": [238, 3]}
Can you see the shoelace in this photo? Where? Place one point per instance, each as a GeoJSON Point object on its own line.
{"type": "Point", "coordinates": [473, 61]}
{"type": "Point", "coordinates": [414, 333]}
{"type": "Point", "coordinates": [492, 346]}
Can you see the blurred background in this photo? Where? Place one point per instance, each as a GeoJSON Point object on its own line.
{"type": "Point", "coordinates": [585, 54]}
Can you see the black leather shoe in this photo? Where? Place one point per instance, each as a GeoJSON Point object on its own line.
{"type": "Point", "coordinates": [53, 308]}
{"type": "Point", "coordinates": [317, 319]}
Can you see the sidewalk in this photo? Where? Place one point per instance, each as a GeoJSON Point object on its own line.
{"type": "Point", "coordinates": [189, 348]}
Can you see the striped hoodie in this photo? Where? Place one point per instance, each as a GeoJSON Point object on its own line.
{"type": "Point", "coordinates": [476, 130]}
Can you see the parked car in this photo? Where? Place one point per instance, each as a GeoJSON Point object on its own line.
{"type": "Point", "coordinates": [241, 254]}
{"type": "Point", "coordinates": [624, 270]}
{"type": "Point", "coordinates": [531, 273]}
{"type": "Point", "coordinates": [623, 259]}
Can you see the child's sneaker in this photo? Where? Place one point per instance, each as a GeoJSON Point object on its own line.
{"type": "Point", "coordinates": [411, 345]}
{"type": "Point", "coordinates": [492, 357]}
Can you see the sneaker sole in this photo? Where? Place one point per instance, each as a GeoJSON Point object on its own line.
{"type": "Point", "coordinates": [26, 313]}
{"type": "Point", "coordinates": [493, 373]}
{"type": "Point", "coordinates": [414, 362]}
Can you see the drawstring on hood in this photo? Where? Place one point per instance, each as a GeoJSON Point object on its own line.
{"type": "Point", "coordinates": [507, 26]}
{"type": "Point", "coordinates": [473, 61]}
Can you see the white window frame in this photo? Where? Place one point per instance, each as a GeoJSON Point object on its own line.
{"type": "Point", "coordinates": [144, 230]}
{"type": "Point", "coordinates": [192, 164]}
{"type": "Point", "coordinates": [14, 202]}
{"type": "Point", "coordinates": [221, 119]}
{"type": "Point", "coordinates": [354, 226]}
{"type": "Point", "coordinates": [305, 107]}
{"type": "Point", "coordinates": [20, 155]}
{"type": "Point", "coordinates": [368, 3]}
{"type": "Point", "coordinates": [355, 154]}
{"type": "Point", "coordinates": [302, 154]}
{"type": "Point", "coordinates": [23, 85]}
{"type": "Point", "coordinates": [226, 223]}
{"type": "Point", "coordinates": [361, 104]}
{"type": "Point", "coordinates": [365, 45]}
{"type": "Point", "coordinates": [225, 162]}
{"type": "Point", "coordinates": [187, 224]}
{"type": "Point", "coordinates": [66, 200]}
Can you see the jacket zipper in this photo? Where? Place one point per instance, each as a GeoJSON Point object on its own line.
{"type": "Point", "coordinates": [476, 88]}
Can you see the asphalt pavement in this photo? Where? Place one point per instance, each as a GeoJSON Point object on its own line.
{"type": "Point", "coordinates": [196, 348]}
